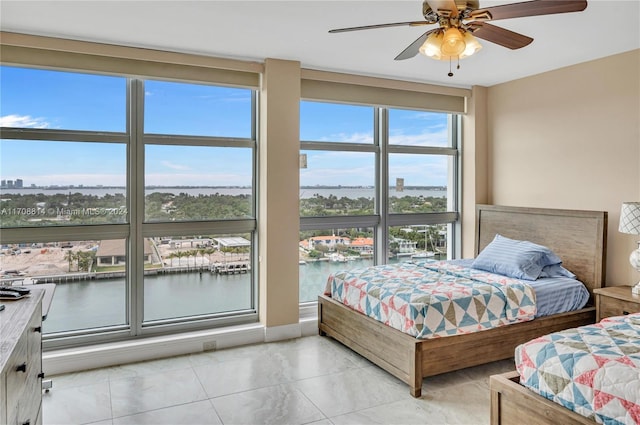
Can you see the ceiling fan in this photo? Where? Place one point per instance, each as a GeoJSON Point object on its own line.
{"type": "Point", "coordinates": [460, 21]}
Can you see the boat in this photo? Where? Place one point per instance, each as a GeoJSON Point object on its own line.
{"type": "Point", "coordinates": [337, 258]}
{"type": "Point", "coordinates": [427, 254]}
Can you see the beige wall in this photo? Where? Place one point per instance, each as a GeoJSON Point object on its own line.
{"type": "Point", "coordinates": [279, 193]}
{"type": "Point", "coordinates": [570, 138]}
{"type": "Point", "coordinates": [474, 166]}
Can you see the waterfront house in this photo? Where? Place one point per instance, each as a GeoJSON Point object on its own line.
{"type": "Point", "coordinates": [112, 252]}
{"type": "Point", "coordinates": [331, 242]}
{"type": "Point", "coordinates": [362, 245]}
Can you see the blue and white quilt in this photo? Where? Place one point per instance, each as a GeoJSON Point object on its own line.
{"type": "Point", "coordinates": [433, 299]}
{"type": "Point", "coordinates": [592, 370]}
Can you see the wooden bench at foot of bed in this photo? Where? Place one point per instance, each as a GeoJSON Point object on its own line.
{"type": "Point", "coordinates": [513, 404]}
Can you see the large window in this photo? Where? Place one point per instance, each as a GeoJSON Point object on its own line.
{"type": "Point", "coordinates": [53, 183]}
{"type": "Point", "coordinates": [377, 185]}
{"type": "Point", "coordinates": [136, 196]}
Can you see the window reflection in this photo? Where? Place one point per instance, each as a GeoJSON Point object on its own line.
{"type": "Point", "coordinates": [322, 252]}
{"type": "Point", "coordinates": [418, 242]}
{"type": "Point", "coordinates": [90, 277]}
{"type": "Point", "coordinates": [45, 99]}
{"type": "Point", "coordinates": [198, 275]}
{"type": "Point", "coordinates": [67, 183]}
{"type": "Point", "coordinates": [418, 128]}
{"type": "Point", "coordinates": [347, 123]}
{"type": "Point", "coordinates": [418, 183]}
{"type": "Point", "coordinates": [197, 110]}
{"type": "Point", "coordinates": [337, 183]}
{"type": "Point", "coordinates": [192, 183]}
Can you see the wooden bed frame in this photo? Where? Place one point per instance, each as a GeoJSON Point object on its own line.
{"type": "Point", "coordinates": [578, 237]}
{"type": "Point", "coordinates": [512, 403]}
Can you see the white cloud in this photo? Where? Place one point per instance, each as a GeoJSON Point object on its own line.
{"type": "Point", "coordinates": [431, 138]}
{"type": "Point", "coordinates": [175, 166]}
{"type": "Point", "coordinates": [366, 138]}
{"type": "Point", "coordinates": [23, 121]}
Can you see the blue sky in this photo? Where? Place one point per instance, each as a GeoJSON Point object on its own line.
{"type": "Point", "coordinates": [71, 101]}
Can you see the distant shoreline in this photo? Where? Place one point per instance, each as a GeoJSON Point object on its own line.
{"type": "Point", "coordinates": [54, 187]}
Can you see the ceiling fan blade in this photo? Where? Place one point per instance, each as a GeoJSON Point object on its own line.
{"type": "Point", "coordinates": [528, 8]}
{"type": "Point", "coordinates": [498, 35]}
{"type": "Point", "coordinates": [414, 47]}
{"type": "Point", "coordinates": [442, 5]}
{"type": "Point", "coordinates": [369, 27]}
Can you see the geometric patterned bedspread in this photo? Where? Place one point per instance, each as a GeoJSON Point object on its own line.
{"type": "Point", "coordinates": [592, 370]}
{"type": "Point", "coordinates": [431, 299]}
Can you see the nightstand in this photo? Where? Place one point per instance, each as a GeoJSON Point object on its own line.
{"type": "Point", "coordinates": [615, 301]}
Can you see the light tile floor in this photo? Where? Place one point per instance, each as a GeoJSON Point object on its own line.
{"type": "Point", "coordinates": [310, 380]}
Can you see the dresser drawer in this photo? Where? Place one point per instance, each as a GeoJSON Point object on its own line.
{"type": "Point", "coordinates": [22, 375]}
{"type": "Point", "coordinates": [3, 398]}
{"type": "Point", "coordinates": [21, 360]}
{"type": "Point", "coordinates": [16, 380]}
{"type": "Point", "coordinates": [615, 307]}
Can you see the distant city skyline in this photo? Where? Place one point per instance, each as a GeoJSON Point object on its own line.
{"type": "Point", "coordinates": [17, 183]}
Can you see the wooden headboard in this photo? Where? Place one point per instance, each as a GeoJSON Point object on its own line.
{"type": "Point", "coordinates": [578, 237]}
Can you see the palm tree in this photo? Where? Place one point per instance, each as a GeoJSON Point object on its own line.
{"type": "Point", "coordinates": [70, 257]}
{"type": "Point", "coordinates": [209, 251]}
{"type": "Point", "coordinates": [179, 254]}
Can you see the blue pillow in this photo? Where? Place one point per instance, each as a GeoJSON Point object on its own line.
{"type": "Point", "coordinates": [556, 270]}
{"type": "Point", "coordinates": [513, 258]}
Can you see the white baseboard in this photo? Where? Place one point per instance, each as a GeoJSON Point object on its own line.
{"type": "Point", "coordinates": [309, 326]}
{"type": "Point", "coordinates": [111, 354]}
{"type": "Point", "coordinates": [279, 333]}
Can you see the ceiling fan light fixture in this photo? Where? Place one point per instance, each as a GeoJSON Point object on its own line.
{"type": "Point", "coordinates": [431, 46]}
{"type": "Point", "coordinates": [472, 45]}
{"type": "Point", "coordinates": [453, 43]}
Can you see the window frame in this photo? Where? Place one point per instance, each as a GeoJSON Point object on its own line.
{"type": "Point", "coordinates": [135, 230]}
{"type": "Point", "coordinates": [382, 219]}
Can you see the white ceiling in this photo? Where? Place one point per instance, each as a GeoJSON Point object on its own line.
{"type": "Point", "coordinates": [297, 30]}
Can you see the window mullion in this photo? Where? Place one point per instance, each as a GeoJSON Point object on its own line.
{"type": "Point", "coordinates": [62, 135]}
{"type": "Point", "coordinates": [225, 142]}
{"type": "Point", "coordinates": [339, 147]}
{"type": "Point", "coordinates": [422, 150]}
{"type": "Point", "coordinates": [382, 184]}
{"type": "Point", "coordinates": [455, 247]}
{"type": "Point", "coordinates": [135, 166]}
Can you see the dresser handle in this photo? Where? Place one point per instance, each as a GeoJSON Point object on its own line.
{"type": "Point", "coordinates": [625, 312]}
{"type": "Point", "coordinates": [41, 375]}
{"type": "Point", "coordinates": [27, 422]}
{"type": "Point", "coordinates": [21, 368]}
{"type": "Point", "coordinates": [38, 329]}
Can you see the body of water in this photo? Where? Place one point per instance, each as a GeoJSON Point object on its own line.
{"type": "Point", "coordinates": [97, 303]}
{"type": "Point", "coordinates": [84, 304]}
{"type": "Point", "coordinates": [305, 193]}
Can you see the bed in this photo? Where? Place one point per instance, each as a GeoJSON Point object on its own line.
{"type": "Point", "coordinates": [584, 375]}
{"type": "Point", "coordinates": [578, 237]}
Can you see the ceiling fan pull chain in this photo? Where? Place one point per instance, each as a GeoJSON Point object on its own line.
{"type": "Point", "coordinates": [450, 74]}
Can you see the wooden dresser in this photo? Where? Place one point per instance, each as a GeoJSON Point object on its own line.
{"type": "Point", "coordinates": [21, 360]}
